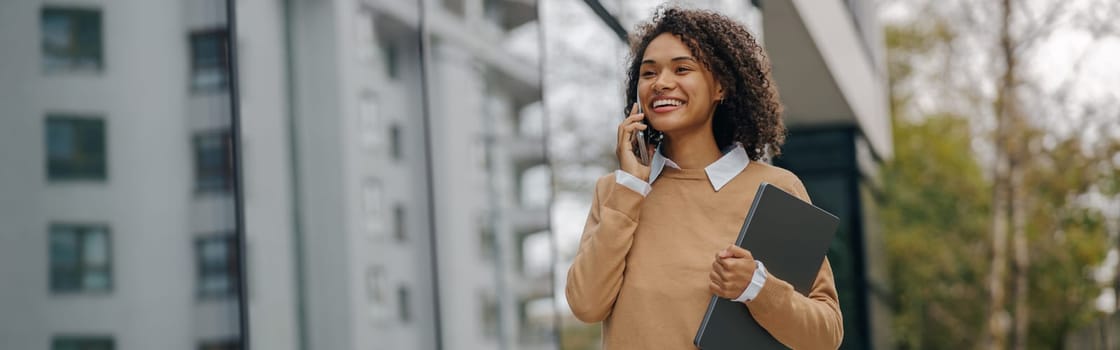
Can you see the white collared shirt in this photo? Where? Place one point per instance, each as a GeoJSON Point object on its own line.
{"type": "Point", "coordinates": [719, 173]}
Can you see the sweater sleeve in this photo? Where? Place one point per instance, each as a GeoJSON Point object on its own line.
{"type": "Point", "coordinates": [799, 321]}
{"type": "Point", "coordinates": [595, 277]}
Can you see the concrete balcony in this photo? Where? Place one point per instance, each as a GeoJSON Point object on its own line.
{"type": "Point", "coordinates": [527, 151]}
{"type": "Point", "coordinates": [529, 220]}
{"type": "Point", "coordinates": [511, 14]}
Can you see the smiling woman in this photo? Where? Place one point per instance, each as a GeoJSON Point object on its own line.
{"type": "Point", "coordinates": [658, 241]}
{"type": "Point", "coordinates": [747, 108]}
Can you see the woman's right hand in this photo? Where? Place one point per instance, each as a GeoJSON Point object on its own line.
{"type": "Point", "coordinates": [627, 131]}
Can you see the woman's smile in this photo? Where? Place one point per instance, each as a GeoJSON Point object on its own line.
{"type": "Point", "coordinates": [662, 105]}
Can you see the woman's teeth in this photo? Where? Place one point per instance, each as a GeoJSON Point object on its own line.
{"type": "Point", "coordinates": [660, 103]}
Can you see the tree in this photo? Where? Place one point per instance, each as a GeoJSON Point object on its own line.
{"type": "Point", "coordinates": [934, 209]}
{"type": "Point", "coordinates": [1037, 178]}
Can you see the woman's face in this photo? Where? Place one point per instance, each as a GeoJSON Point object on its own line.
{"type": "Point", "coordinates": [678, 94]}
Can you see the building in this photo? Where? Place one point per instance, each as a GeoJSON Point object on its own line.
{"type": "Point", "coordinates": [371, 273]}
{"type": "Point", "coordinates": [391, 154]}
{"type": "Point", "coordinates": [117, 230]}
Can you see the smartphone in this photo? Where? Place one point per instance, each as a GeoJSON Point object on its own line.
{"type": "Point", "coordinates": [640, 145]}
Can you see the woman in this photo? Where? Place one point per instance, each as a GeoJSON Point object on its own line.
{"type": "Point", "coordinates": [658, 241]}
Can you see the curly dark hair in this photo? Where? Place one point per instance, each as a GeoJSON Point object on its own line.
{"type": "Point", "coordinates": [750, 112]}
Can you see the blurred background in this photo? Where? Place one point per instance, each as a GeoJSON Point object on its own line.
{"type": "Point", "coordinates": [388, 174]}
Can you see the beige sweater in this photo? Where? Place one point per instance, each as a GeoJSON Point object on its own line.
{"type": "Point", "coordinates": [643, 263]}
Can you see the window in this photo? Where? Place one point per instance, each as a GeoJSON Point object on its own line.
{"type": "Point", "coordinates": [378, 294]}
{"type": "Point", "coordinates": [489, 316]}
{"type": "Point", "coordinates": [82, 343]}
{"type": "Point", "coordinates": [71, 39]}
{"type": "Point", "coordinates": [395, 142]}
{"type": "Point", "coordinates": [535, 250]}
{"type": "Point", "coordinates": [231, 344]}
{"type": "Point", "coordinates": [390, 53]}
{"type": "Point", "coordinates": [364, 36]}
{"type": "Point", "coordinates": [80, 258]}
{"type": "Point", "coordinates": [494, 11]}
{"type": "Point", "coordinates": [209, 60]}
{"type": "Point", "coordinates": [535, 186]}
{"type": "Point", "coordinates": [373, 208]}
{"type": "Point", "coordinates": [370, 121]}
{"type": "Point", "coordinates": [75, 148]}
{"type": "Point", "coordinates": [213, 160]}
{"type": "Point", "coordinates": [455, 6]}
{"type": "Point", "coordinates": [217, 265]}
{"type": "Point", "coordinates": [488, 249]}
{"type": "Point", "coordinates": [404, 310]}
{"type": "Point", "coordinates": [399, 220]}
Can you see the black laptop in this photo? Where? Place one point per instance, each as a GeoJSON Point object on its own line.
{"type": "Point", "coordinates": [791, 237]}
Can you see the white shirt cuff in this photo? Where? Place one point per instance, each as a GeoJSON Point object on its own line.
{"type": "Point", "coordinates": [757, 281]}
{"type": "Point", "coordinates": [632, 182]}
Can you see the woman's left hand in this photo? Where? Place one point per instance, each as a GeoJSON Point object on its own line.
{"type": "Point", "coordinates": [731, 272]}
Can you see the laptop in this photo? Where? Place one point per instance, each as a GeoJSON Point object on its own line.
{"type": "Point", "coordinates": [792, 238]}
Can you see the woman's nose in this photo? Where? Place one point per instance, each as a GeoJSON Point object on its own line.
{"type": "Point", "coordinates": [662, 82]}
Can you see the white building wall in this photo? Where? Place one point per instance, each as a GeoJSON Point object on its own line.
{"type": "Point", "coordinates": [146, 200]}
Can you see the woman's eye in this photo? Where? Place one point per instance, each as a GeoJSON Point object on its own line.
{"type": "Point", "coordinates": [683, 69]}
{"type": "Point", "coordinates": [647, 74]}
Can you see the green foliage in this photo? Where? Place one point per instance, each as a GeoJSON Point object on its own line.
{"type": "Point", "coordinates": [935, 210]}
{"type": "Point", "coordinates": [936, 214]}
{"type": "Point", "coordinates": [1067, 238]}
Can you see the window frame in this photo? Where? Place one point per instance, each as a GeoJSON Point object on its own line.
{"type": "Point", "coordinates": [193, 41]}
{"type": "Point", "coordinates": [80, 231]}
{"type": "Point", "coordinates": [203, 270]}
{"type": "Point", "coordinates": [73, 169]}
{"type": "Point", "coordinates": [404, 304]}
{"type": "Point", "coordinates": [71, 13]}
{"type": "Point", "coordinates": [400, 222]}
{"type": "Point", "coordinates": [226, 184]}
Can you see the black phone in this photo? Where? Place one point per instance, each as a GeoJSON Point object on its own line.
{"type": "Point", "coordinates": [641, 140]}
{"type": "Point", "coordinates": [649, 136]}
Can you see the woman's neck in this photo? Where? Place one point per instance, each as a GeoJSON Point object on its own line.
{"type": "Point", "coordinates": [692, 150]}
